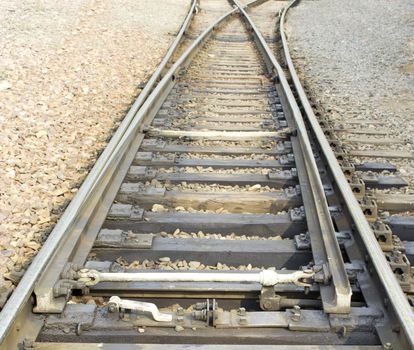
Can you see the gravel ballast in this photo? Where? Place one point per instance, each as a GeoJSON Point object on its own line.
{"type": "Point", "coordinates": [68, 73]}
{"type": "Point", "coordinates": [356, 58]}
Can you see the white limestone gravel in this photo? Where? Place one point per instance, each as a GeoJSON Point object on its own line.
{"type": "Point", "coordinates": [159, 208]}
{"type": "Point", "coordinates": [200, 187]}
{"type": "Point", "coordinates": [356, 58]}
{"type": "Point", "coordinates": [199, 169]}
{"type": "Point", "coordinates": [231, 236]}
{"type": "Point", "coordinates": [251, 156]}
{"type": "Point", "coordinates": [166, 263]}
{"type": "Point", "coordinates": [68, 72]}
{"type": "Point", "coordinates": [267, 144]}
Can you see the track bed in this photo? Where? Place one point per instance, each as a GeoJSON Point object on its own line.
{"type": "Point", "coordinates": [221, 221]}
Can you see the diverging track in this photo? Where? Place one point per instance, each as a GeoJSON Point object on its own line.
{"type": "Point", "coordinates": [215, 217]}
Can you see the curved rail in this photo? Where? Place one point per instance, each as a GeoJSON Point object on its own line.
{"type": "Point", "coordinates": [396, 297]}
{"type": "Point", "coordinates": [336, 297]}
{"type": "Point", "coordinates": [90, 200]}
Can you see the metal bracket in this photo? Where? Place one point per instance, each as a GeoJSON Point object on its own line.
{"type": "Point", "coordinates": [67, 283]}
{"type": "Point", "coordinates": [347, 167]}
{"type": "Point", "coordinates": [302, 241]}
{"type": "Point", "coordinates": [281, 174]}
{"type": "Point", "coordinates": [340, 153]}
{"type": "Point", "coordinates": [287, 159]}
{"type": "Point", "coordinates": [63, 287]}
{"type": "Point", "coordinates": [369, 207]}
{"type": "Point", "coordinates": [119, 238]}
{"type": "Point", "coordinates": [269, 300]}
{"type": "Point", "coordinates": [357, 186]}
{"type": "Point", "coordinates": [292, 191]}
{"type": "Point", "coordinates": [322, 274]}
{"type": "Point", "coordinates": [402, 270]}
{"type": "Point", "coordinates": [387, 241]}
{"type": "Point", "coordinates": [204, 311]}
{"type": "Point", "coordinates": [116, 303]}
{"type": "Point", "coordinates": [297, 214]}
{"type": "Point", "coordinates": [125, 211]}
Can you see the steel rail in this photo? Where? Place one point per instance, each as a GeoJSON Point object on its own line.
{"type": "Point", "coordinates": [90, 191]}
{"type": "Point", "coordinates": [22, 293]}
{"type": "Point", "coordinates": [396, 297]}
{"type": "Point", "coordinates": [44, 288]}
{"type": "Point", "coordinates": [337, 296]}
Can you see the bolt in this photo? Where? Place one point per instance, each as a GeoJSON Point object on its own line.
{"type": "Point", "coordinates": [267, 304]}
{"type": "Point", "coordinates": [112, 307]}
{"type": "Point", "coordinates": [200, 314]}
{"type": "Point", "coordinates": [199, 306]}
{"type": "Point", "coordinates": [79, 329]}
{"type": "Point", "coordinates": [241, 311]}
{"type": "Point", "coordinates": [387, 346]}
{"type": "Point", "coordinates": [180, 311]}
{"type": "Point", "coordinates": [296, 313]}
{"type": "Point", "coordinates": [342, 332]}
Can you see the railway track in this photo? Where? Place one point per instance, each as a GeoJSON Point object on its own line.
{"type": "Point", "coordinates": [219, 214]}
